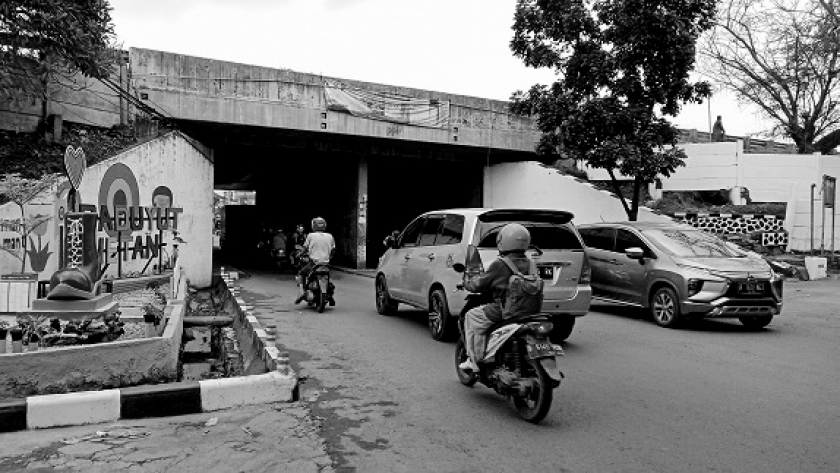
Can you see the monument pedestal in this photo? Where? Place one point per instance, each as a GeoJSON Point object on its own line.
{"type": "Point", "coordinates": [95, 308]}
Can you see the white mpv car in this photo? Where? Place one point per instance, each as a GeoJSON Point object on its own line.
{"type": "Point", "coordinates": [417, 268]}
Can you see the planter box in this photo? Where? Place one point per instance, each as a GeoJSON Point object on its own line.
{"type": "Point", "coordinates": [104, 365]}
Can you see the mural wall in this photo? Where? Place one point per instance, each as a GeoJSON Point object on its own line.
{"type": "Point", "coordinates": [149, 198]}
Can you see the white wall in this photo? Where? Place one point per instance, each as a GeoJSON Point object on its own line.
{"type": "Point", "coordinates": [532, 185]}
{"type": "Point", "coordinates": [170, 161]}
{"type": "Point", "coordinates": [768, 177]}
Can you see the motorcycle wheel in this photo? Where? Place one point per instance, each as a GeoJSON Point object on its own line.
{"type": "Point", "coordinates": [466, 378]}
{"type": "Point", "coordinates": [535, 407]}
{"type": "Point", "coordinates": [322, 302]}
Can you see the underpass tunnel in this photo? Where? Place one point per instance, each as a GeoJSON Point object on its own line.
{"type": "Point", "coordinates": [400, 190]}
{"type": "Point", "coordinates": [364, 187]}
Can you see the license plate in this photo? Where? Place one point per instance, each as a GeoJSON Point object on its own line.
{"type": "Point", "coordinates": [547, 272]}
{"type": "Point", "coordinates": [751, 287]}
{"type": "Point", "coordinates": [542, 350]}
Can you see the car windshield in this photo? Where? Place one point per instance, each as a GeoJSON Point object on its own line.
{"type": "Point", "coordinates": [687, 243]}
{"type": "Point", "coordinates": [544, 236]}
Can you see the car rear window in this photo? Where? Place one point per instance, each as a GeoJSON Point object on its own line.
{"type": "Point", "coordinates": [543, 236]}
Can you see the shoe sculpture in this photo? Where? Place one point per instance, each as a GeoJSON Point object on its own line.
{"type": "Point", "coordinates": [78, 278]}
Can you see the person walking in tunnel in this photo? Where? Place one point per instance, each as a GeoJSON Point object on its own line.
{"type": "Point", "coordinates": [319, 248]}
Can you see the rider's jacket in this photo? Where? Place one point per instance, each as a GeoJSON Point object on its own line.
{"type": "Point", "coordinates": [319, 246]}
{"type": "Point", "coordinates": [496, 279]}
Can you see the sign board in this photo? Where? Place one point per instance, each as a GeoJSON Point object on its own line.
{"type": "Point", "coordinates": [17, 291]}
{"type": "Point", "coordinates": [829, 191]}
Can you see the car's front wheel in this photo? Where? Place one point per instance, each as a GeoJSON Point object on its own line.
{"type": "Point", "coordinates": [665, 307]}
{"type": "Point", "coordinates": [755, 323]}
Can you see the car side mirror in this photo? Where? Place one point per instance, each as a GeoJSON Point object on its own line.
{"type": "Point", "coordinates": [635, 253]}
{"type": "Point", "coordinates": [459, 268]}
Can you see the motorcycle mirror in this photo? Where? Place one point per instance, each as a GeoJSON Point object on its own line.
{"type": "Point", "coordinates": [459, 268]}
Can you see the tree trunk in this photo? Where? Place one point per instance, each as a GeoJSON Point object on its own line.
{"type": "Point", "coordinates": [633, 215]}
{"type": "Point", "coordinates": [618, 192]}
{"type": "Point", "coordinates": [23, 233]}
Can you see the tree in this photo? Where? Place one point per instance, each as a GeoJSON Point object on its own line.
{"type": "Point", "coordinates": [21, 191]}
{"type": "Point", "coordinates": [622, 66]}
{"type": "Point", "coordinates": [784, 57]}
{"type": "Point", "coordinates": [50, 41]}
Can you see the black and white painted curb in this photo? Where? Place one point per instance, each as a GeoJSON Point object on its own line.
{"type": "Point", "coordinates": [92, 407]}
{"type": "Point", "coordinates": [161, 400]}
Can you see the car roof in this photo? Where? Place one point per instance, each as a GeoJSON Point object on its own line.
{"type": "Point", "coordinates": [638, 225]}
{"type": "Point", "coordinates": [475, 211]}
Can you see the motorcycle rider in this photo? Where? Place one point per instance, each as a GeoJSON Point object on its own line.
{"type": "Point", "coordinates": [512, 241]}
{"type": "Point", "coordinates": [319, 247]}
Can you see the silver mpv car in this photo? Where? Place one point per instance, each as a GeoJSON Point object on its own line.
{"type": "Point", "coordinates": [417, 269]}
{"type": "Point", "coordinates": [678, 271]}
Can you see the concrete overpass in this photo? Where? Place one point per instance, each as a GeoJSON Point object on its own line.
{"type": "Point", "coordinates": [276, 131]}
{"type": "Point", "coordinates": [207, 90]}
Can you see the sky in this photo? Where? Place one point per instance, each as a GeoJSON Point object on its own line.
{"type": "Point", "coordinates": [454, 46]}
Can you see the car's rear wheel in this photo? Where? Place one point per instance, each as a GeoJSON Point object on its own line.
{"type": "Point", "coordinates": [755, 323]}
{"type": "Point", "coordinates": [384, 304]}
{"type": "Point", "coordinates": [439, 318]}
{"type": "Point", "coordinates": [665, 307]}
{"type": "Point", "coordinates": [563, 327]}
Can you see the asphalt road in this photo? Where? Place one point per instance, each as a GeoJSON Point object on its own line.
{"type": "Point", "coordinates": [636, 397]}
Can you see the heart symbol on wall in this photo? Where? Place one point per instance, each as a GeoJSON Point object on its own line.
{"type": "Point", "coordinates": [74, 165]}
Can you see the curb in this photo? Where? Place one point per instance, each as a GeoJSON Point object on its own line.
{"type": "Point", "coordinates": [368, 273]}
{"type": "Point", "coordinates": [280, 384]}
{"type": "Point", "coordinates": [191, 397]}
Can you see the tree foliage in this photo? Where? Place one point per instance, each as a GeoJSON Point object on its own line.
{"type": "Point", "coordinates": [784, 57]}
{"type": "Point", "coordinates": [622, 66]}
{"type": "Point", "coordinates": [49, 41]}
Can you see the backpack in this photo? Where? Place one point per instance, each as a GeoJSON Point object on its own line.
{"type": "Point", "coordinates": [524, 292]}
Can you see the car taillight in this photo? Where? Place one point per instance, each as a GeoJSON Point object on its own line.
{"type": "Point", "coordinates": [586, 271]}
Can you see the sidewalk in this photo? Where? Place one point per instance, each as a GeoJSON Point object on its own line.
{"type": "Point", "coordinates": [271, 437]}
{"type": "Point", "coordinates": [368, 273]}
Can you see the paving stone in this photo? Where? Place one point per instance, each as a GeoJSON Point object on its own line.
{"type": "Point", "coordinates": [117, 465]}
{"type": "Point", "coordinates": [37, 464]}
{"type": "Point", "coordinates": [83, 449]}
{"type": "Point", "coordinates": [79, 464]}
{"type": "Point", "coordinates": [141, 456]}
{"type": "Point", "coordinates": [104, 454]}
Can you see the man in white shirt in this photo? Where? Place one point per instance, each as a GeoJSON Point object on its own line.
{"type": "Point", "coordinates": [320, 247]}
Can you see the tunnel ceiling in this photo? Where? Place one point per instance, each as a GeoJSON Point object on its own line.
{"type": "Point", "coordinates": [239, 151]}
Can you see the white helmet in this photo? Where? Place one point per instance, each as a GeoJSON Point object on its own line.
{"type": "Point", "coordinates": [513, 237]}
{"type": "Point", "coordinates": [319, 224]}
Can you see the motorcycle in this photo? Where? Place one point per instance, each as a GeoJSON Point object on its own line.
{"type": "Point", "coordinates": [319, 288]}
{"type": "Point", "coordinates": [520, 362]}
{"type": "Point", "coordinates": [280, 258]}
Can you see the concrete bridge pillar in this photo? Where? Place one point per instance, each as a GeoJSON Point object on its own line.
{"type": "Point", "coordinates": [361, 213]}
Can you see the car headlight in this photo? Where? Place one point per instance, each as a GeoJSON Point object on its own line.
{"type": "Point", "coordinates": [694, 286]}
